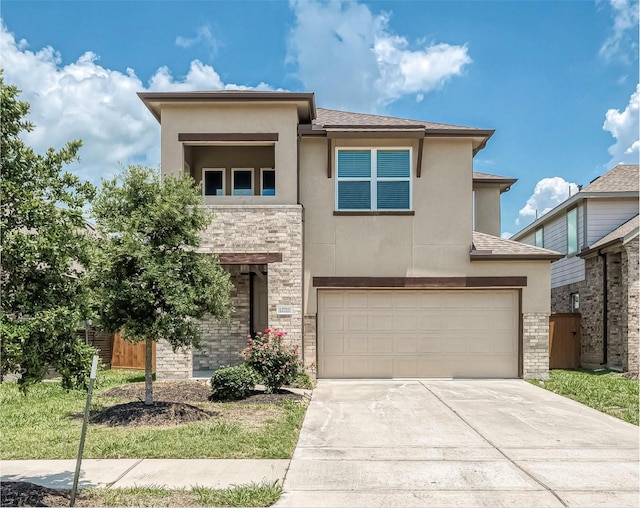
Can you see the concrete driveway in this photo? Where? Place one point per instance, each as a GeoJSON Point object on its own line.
{"type": "Point", "coordinates": [458, 443]}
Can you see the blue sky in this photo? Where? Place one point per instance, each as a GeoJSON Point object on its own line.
{"type": "Point", "coordinates": [557, 80]}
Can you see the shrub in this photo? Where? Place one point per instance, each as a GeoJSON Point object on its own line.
{"type": "Point", "coordinates": [302, 380]}
{"type": "Point", "coordinates": [276, 362]}
{"type": "Point", "coordinates": [233, 383]}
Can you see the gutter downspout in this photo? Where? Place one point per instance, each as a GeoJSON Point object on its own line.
{"type": "Point", "coordinates": [605, 310]}
{"type": "Point", "coordinates": [302, 288]}
{"type": "Point", "coordinates": [298, 168]}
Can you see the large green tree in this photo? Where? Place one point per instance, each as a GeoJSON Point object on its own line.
{"type": "Point", "coordinates": [45, 250]}
{"type": "Point", "coordinates": [150, 283]}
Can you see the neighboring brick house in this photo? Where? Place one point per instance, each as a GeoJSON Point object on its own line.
{"type": "Point", "coordinates": [597, 229]}
{"type": "Point", "coordinates": [355, 234]}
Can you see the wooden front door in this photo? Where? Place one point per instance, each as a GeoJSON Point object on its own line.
{"type": "Point", "coordinates": [260, 303]}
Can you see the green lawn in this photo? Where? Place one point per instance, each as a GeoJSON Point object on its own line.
{"type": "Point", "coordinates": [244, 495]}
{"type": "Point", "coordinates": [46, 424]}
{"type": "Point", "coordinates": [608, 392]}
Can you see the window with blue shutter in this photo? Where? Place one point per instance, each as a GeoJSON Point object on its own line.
{"type": "Point", "coordinates": [373, 179]}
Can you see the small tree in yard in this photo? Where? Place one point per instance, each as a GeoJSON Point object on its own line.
{"type": "Point", "coordinates": [45, 249]}
{"type": "Point", "coordinates": [150, 283]}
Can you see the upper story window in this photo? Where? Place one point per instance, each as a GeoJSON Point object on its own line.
{"type": "Point", "coordinates": [213, 182]}
{"type": "Point", "coordinates": [267, 182]}
{"type": "Point", "coordinates": [540, 237]}
{"type": "Point", "coordinates": [242, 182]}
{"type": "Point", "coordinates": [373, 179]}
{"type": "Point", "coordinates": [572, 231]}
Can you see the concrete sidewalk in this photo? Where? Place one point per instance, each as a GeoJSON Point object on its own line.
{"type": "Point", "coordinates": [168, 473]}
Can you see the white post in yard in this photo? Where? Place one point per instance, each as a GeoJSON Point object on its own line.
{"type": "Point", "coordinates": [92, 378]}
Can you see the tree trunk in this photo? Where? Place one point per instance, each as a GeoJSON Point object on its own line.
{"type": "Point", "coordinates": [148, 371]}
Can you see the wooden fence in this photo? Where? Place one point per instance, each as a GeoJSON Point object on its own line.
{"type": "Point", "coordinates": [102, 341]}
{"type": "Point", "coordinates": [129, 356]}
{"type": "Point", "coordinates": [564, 341]}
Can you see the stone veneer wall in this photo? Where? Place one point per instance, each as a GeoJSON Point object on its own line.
{"type": "Point", "coordinates": [170, 365]}
{"type": "Point", "coordinates": [591, 302]}
{"type": "Point", "coordinates": [615, 309]}
{"type": "Point", "coordinates": [223, 341]}
{"type": "Point", "coordinates": [247, 229]}
{"type": "Point", "coordinates": [310, 346]}
{"type": "Point", "coordinates": [631, 300]}
{"type": "Point", "coordinates": [622, 309]}
{"type": "Point", "coordinates": [561, 297]}
{"type": "Point", "coordinates": [253, 229]}
{"type": "Point", "coordinates": [535, 345]}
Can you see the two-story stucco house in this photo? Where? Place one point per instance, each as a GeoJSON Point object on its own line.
{"type": "Point", "coordinates": [597, 230]}
{"type": "Point", "coordinates": [355, 234]}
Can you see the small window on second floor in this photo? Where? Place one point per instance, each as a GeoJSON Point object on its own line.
{"type": "Point", "coordinates": [268, 182]}
{"type": "Point", "coordinates": [540, 237]}
{"type": "Point", "coordinates": [572, 231]}
{"type": "Point", "coordinates": [242, 181]}
{"type": "Point", "coordinates": [213, 182]}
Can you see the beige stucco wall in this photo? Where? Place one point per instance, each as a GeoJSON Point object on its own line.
{"type": "Point", "coordinates": [236, 118]}
{"type": "Point", "coordinates": [435, 242]}
{"type": "Point", "coordinates": [487, 208]}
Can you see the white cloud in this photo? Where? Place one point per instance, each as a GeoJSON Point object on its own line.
{"type": "Point", "coordinates": [624, 126]}
{"type": "Point", "coordinates": [547, 194]}
{"type": "Point", "coordinates": [203, 35]}
{"type": "Point", "coordinates": [352, 59]}
{"type": "Point", "coordinates": [83, 100]}
{"type": "Point", "coordinates": [506, 235]}
{"type": "Point", "coordinates": [622, 41]}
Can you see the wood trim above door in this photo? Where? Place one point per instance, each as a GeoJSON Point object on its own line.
{"type": "Point", "coordinates": [419, 282]}
{"type": "Point", "coordinates": [227, 136]}
{"type": "Point", "coordinates": [249, 258]}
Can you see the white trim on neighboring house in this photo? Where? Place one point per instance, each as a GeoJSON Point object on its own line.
{"type": "Point", "coordinates": [224, 183]}
{"type": "Point", "coordinates": [569, 203]}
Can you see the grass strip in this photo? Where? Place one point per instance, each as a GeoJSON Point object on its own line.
{"type": "Point", "coordinates": [46, 424]}
{"type": "Point", "coordinates": [253, 494]}
{"type": "Point", "coordinates": [606, 391]}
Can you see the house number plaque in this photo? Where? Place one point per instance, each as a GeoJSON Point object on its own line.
{"type": "Point", "coordinates": [284, 310]}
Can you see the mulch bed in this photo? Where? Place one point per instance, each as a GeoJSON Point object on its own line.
{"type": "Point", "coordinates": [30, 494]}
{"type": "Point", "coordinates": [137, 414]}
{"type": "Point", "coordinates": [173, 403]}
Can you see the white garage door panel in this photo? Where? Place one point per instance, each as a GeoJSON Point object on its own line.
{"type": "Point", "coordinates": [413, 333]}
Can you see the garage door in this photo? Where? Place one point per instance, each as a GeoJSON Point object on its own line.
{"type": "Point", "coordinates": [417, 333]}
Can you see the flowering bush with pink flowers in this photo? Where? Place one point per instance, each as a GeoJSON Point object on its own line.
{"type": "Point", "coordinates": [276, 362]}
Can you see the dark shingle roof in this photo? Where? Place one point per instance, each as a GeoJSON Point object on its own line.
{"type": "Point", "coordinates": [328, 118]}
{"type": "Point", "coordinates": [500, 248]}
{"type": "Point", "coordinates": [622, 178]}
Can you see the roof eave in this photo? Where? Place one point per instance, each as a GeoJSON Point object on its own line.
{"type": "Point", "coordinates": [154, 100]}
{"type": "Point", "coordinates": [504, 183]}
{"type": "Point", "coordinates": [484, 256]}
{"type": "Point", "coordinates": [413, 131]}
{"type": "Point", "coordinates": [620, 240]}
